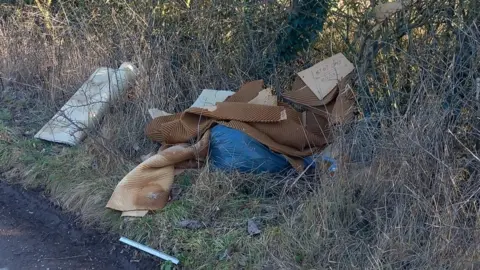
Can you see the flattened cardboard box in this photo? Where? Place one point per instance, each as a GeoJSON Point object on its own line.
{"type": "Point", "coordinates": [322, 90]}
{"type": "Point", "coordinates": [324, 76]}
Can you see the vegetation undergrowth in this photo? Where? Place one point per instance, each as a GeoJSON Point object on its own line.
{"type": "Point", "coordinates": [407, 198]}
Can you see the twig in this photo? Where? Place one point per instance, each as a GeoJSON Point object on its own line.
{"type": "Point", "coordinates": [477, 84]}
{"type": "Point", "coordinates": [466, 148]}
{"type": "Point", "coordinates": [23, 84]}
{"type": "Point", "coordinates": [302, 173]}
{"type": "Point", "coordinates": [67, 258]}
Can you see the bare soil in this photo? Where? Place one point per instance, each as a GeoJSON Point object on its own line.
{"type": "Point", "coordinates": [34, 234]}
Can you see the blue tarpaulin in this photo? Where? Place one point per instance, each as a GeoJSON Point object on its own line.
{"type": "Point", "coordinates": [233, 150]}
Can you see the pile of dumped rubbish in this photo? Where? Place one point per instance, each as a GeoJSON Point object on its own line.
{"type": "Point", "coordinates": [251, 130]}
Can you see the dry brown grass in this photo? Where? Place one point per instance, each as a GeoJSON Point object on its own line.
{"type": "Point", "coordinates": [410, 201]}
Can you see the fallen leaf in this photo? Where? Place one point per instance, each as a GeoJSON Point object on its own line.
{"type": "Point", "coordinates": [253, 228]}
{"type": "Point", "coordinates": [29, 133]}
{"type": "Point", "coordinates": [190, 224]}
{"type": "Point", "coordinates": [175, 192]}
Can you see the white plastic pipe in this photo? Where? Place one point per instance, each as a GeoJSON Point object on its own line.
{"type": "Point", "coordinates": [149, 250]}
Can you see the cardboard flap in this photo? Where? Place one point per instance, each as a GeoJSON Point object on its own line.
{"type": "Point", "coordinates": [325, 75]}
{"type": "Point", "coordinates": [265, 97]}
{"type": "Point", "coordinates": [247, 92]}
{"type": "Point", "coordinates": [306, 97]}
{"type": "Point", "coordinates": [342, 110]}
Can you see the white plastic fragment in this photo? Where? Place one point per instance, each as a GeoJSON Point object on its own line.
{"type": "Point", "coordinates": [87, 105]}
{"type": "Point", "coordinates": [135, 213]}
{"type": "Point", "coordinates": [149, 250]}
{"type": "Point", "coordinates": [207, 99]}
{"type": "Point", "coordinates": [210, 97]}
{"type": "Point", "coordinates": [154, 113]}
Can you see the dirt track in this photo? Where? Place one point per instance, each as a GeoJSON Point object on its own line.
{"type": "Point", "coordinates": [36, 235]}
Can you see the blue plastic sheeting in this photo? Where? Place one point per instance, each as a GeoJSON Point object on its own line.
{"type": "Point", "coordinates": [233, 150]}
{"type": "Point", "coordinates": [333, 163]}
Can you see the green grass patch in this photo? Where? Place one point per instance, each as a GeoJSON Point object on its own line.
{"type": "Point", "coordinates": [5, 115]}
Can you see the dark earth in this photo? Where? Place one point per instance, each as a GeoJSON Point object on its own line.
{"type": "Point", "coordinates": [34, 234]}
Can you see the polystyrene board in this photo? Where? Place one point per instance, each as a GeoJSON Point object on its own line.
{"type": "Point", "coordinates": [87, 105]}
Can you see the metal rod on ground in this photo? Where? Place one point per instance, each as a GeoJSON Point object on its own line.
{"type": "Point", "coordinates": [149, 250]}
